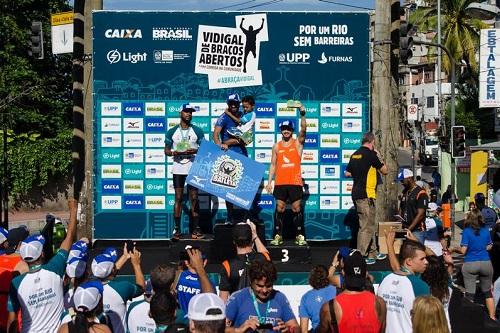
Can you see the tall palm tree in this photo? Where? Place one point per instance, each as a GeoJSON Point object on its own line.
{"type": "Point", "coordinates": [460, 32]}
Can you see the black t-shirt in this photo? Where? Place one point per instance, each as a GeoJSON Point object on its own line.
{"type": "Point", "coordinates": [363, 166]}
{"type": "Point", "coordinates": [229, 282]}
{"type": "Point", "coordinates": [415, 199]}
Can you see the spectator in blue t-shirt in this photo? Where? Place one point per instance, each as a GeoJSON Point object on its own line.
{"type": "Point", "coordinates": [311, 302]}
{"type": "Point", "coordinates": [475, 244]}
{"type": "Point", "coordinates": [254, 307]}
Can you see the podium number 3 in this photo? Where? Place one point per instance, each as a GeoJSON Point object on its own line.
{"type": "Point", "coordinates": [285, 255]}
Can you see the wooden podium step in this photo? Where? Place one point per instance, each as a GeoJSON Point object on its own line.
{"type": "Point", "coordinates": [290, 254]}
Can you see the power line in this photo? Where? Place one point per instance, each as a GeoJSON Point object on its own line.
{"type": "Point", "coordinates": [345, 5]}
{"type": "Point", "coordinates": [235, 5]}
{"type": "Point", "coordinates": [261, 4]}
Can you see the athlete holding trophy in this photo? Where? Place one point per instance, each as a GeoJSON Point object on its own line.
{"type": "Point", "coordinates": [286, 169]}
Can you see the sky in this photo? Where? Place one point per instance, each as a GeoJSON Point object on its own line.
{"type": "Point", "coordinates": [236, 5]}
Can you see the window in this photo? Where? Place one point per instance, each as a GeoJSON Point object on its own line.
{"type": "Point", "coordinates": [430, 102]}
{"type": "Point", "coordinates": [414, 100]}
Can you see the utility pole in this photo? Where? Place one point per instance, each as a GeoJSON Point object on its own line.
{"type": "Point", "coordinates": [385, 101]}
{"type": "Point", "coordinates": [85, 226]}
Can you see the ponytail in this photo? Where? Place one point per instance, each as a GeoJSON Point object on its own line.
{"type": "Point", "coordinates": [79, 324]}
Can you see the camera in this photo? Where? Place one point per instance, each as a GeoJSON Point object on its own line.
{"type": "Point", "coordinates": [130, 246]}
{"type": "Point", "coordinates": [267, 326]}
{"type": "Point", "coordinates": [400, 233]}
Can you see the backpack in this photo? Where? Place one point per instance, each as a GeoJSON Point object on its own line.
{"type": "Point", "coordinates": [242, 274]}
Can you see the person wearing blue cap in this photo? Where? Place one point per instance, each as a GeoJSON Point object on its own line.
{"type": "Point", "coordinates": [39, 293]}
{"type": "Point", "coordinates": [182, 142]}
{"type": "Point", "coordinates": [364, 165]}
{"type": "Point", "coordinates": [244, 131]}
{"type": "Point", "coordinates": [222, 138]}
{"type": "Point", "coordinates": [288, 184]}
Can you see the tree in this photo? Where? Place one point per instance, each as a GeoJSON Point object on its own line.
{"type": "Point", "coordinates": [35, 98]}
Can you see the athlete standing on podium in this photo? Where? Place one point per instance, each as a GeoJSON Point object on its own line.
{"type": "Point", "coordinates": [288, 184]}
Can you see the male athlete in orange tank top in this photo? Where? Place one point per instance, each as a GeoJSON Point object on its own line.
{"type": "Point", "coordinates": [285, 166]}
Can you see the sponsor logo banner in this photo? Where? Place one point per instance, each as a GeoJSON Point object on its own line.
{"type": "Point", "coordinates": [263, 155]}
{"type": "Point", "coordinates": [309, 171]}
{"type": "Point", "coordinates": [111, 155]}
{"type": "Point", "coordinates": [294, 58]}
{"type": "Point", "coordinates": [115, 56]}
{"type": "Point", "coordinates": [133, 172]}
{"type": "Point", "coordinates": [174, 108]}
{"type": "Point", "coordinates": [220, 52]}
{"type": "Point", "coordinates": [331, 126]}
{"type": "Point", "coordinates": [347, 186]}
{"type": "Point", "coordinates": [352, 125]}
{"type": "Point", "coordinates": [133, 156]}
{"type": "Point", "coordinates": [347, 202]}
{"type": "Point", "coordinates": [346, 155]}
{"type": "Point", "coordinates": [123, 33]}
{"type": "Point", "coordinates": [264, 140]}
{"type": "Point", "coordinates": [312, 202]}
{"type": "Point", "coordinates": [155, 202]}
{"type": "Point", "coordinates": [133, 124]}
{"type": "Point", "coordinates": [329, 187]}
{"type": "Point", "coordinates": [312, 140]}
{"type": "Point", "coordinates": [329, 202]}
{"type": "Point", "coordinates": [111, 140]}
{"type": "Point", "coordinates": [330, 140]}
{"type": "Point", "coordinates": [109, 186]}
{"type": "Point", "coordinates": [329, 171]}
{"type": "Point", "coordinates": [285, 111]}
{"type": "Point", "coordinates": [155, 171]}
{"type": "Point", "coordinates": [172, 33]}
{"type": "Point", "coordinates": [222, 174]}
{"type": "Point", "coordinates": [155, 124]}
{"type": "Point", "coordinates": [155, 156]}
{"type": "Point", "coordinates": [202, 123]}
{"type": "Point", "coordinates": [111, 202]}
{"type": "Point", "coordinates": [111, 171]}
{"type": "Point", "coordinates": [133, 109]}
{"type": "Point", "coordinates": [351, 140]}
{"type": "Point", "coordinates": [352, 110]}
{"type": "Point", "coordinates": [111, 125]}
{"type": "Point", "coordinates": [133, 186]}
{"type": "Point", "coordinates": [310, 156]}
{"type": "Point", "coordinates": [155, 187]}
{"type": "Point", "coordinates": [155, 109]}
{"type": "Point", "coordinates": [266, 202]}
{"type": "Point", "coordinates": [311, 187]}
{"type": "Point", "coordinates": [265, 110]}
{"type": "Point", "coordinates": [330, 109]}
{"type": "Point", "coordinates": [312, 109]}
{"type": "Point", "coordinates": [133, 202]}
{"type": "Point", "coordinates": [217, 109]}
{"type": "Point", "coordinates": [133, 140]}
{"type": "Point", "coordinates": [202, 109]}
{"type": "Point", "coordinates": [155, 140]}
{"type": "Point", "coordinates": [111, 109]}
{"type": "Point", "coordinates": [312, 125]}
{"type": "Point", "coordinates": [172, 122]}
{"type": "Point", "coordinates": [265, 125]}
{"type": "Point", "coordinates": [330, 156]}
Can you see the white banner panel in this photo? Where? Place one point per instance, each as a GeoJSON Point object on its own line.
{"type": "Point", "coordinates": [489, 68]}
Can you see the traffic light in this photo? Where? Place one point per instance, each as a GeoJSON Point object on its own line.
{"type": "Point", "coordinates": [36, 42]}
{"type": "Point", "coordinates": [405, 41]}
{"type": "Point", "coordinates": [458, 141]}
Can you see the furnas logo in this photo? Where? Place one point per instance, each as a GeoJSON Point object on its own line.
{"type": "Point", "coordinates": [155, 125]}
{"type": "Point", "coordinates": [133, 202]}
{"type": "Point", "coordinates": [172, 34]}
{"type": "Point", "coordinates": [123, 33]}
{"type": "Point", "coordinates": [330, 156]}
{"type": "Point", "coordinates": [311, 141]}
{"type": "Point", "coordinates": [133, 109]}
{"type": "Point", "coordinates": [265, 110]}
{"type": "Point", "coordinates": [111, 186]}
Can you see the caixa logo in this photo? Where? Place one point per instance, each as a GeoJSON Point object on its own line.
{"type": "Point", "coordinates": [133, 202]}
{"type": "Point", "coordinates": [294, 58]}
{"type": "Point", "coordinates": [311, 141]}
{"type": "Point", "coordinates": [115, 56]}
{"type": "Point", "coordinates": [111, 186]}
{"type": "Point", "coordinates": [133, 109]}
{"type": "Point", "coordinates": [155, 125]}
{"type": "Point", "coordinates": [265, 110]}
{"type": "Point", "coordinates": [266, 202]}
{"type": "Point", "coordinates": [123, 33]}
{"type": "Point", "coordinates": [329, 156]}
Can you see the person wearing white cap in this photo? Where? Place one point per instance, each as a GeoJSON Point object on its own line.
{"type": "Point", "coordinates": [182, 142]}
{"type": "Point", "coordinates": [364, 167]}
{"type": "Point", "coordinates": [207, 314]}
{"type": "Point", "coordinates": [39, 293]}
{"type": "Point", "coordinates": [88, 305]}
{"type": "Point", "coordinates": [415, 204]}
{"type": "Point", "coordinates": [434, 231]}
{"type": "Point", "coordinates": [76, 270]}
{"type": "Point", "coordinates": [286, 162]}
{"type": "Point", "coordinates": [118, 293]}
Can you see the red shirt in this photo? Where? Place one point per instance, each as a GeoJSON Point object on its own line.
{"type": "Point", "coordinates": [7, 265]}
{"type": "Point", "coordinates": [288, 171]}
{"type": "Point", "coordinates": [358, 313]}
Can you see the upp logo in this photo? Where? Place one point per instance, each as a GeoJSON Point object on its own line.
{"type": "Point", "coordinates": [294, 58]}
{"type": "Point", "coordinates": [330, 156]}
{"type": "Point", "coordinates": [227, 172]}
{"type": "Point", "coordinates": [133, 109]}
{"type": "Point", "coordinates": [134, 202]}
{"type": "Point", "coordinates": [265, 110]}
{"type": "Point", "coordinates": [155, 125]}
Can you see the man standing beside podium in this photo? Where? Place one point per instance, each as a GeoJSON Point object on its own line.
{"type": "Point", "coordinates": [182, 142]}
{"type": "Point", "coordinates": [288, 184]}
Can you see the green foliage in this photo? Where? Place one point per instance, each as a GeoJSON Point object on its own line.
{"type": "Point", "coordinates": [35, 98]}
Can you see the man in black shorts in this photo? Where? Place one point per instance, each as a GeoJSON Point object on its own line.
{"type": "Point", "coordinates": [182, 142]}
{"type": "Point", "coordinates": [288, 184]}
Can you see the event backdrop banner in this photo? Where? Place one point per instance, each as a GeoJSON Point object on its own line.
{"type": "Point", "coordinates": [226, 174]}
{"type": "Point", "coordinates": [147, 64]}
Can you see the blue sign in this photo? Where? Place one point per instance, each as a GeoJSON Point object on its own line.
{"type": "Point", "coordinates": [109, 186]}
{"type": "Point", "coordinates": [155, 124]}
{"type": "Point", "coordinates": [330, 156]}
{"type": "Point", "coordinates": [226, 174]}
{"type": "Point", "coordinates": [133, 109]}
{"type": "Point", "coordinates": [266, 202]}
{"type": "Point", "coordinates": [133, 202]}
{"type": "Point", "coordinates": [312, 140]}
{"type": "Point", "coordinates": [265, 110]}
